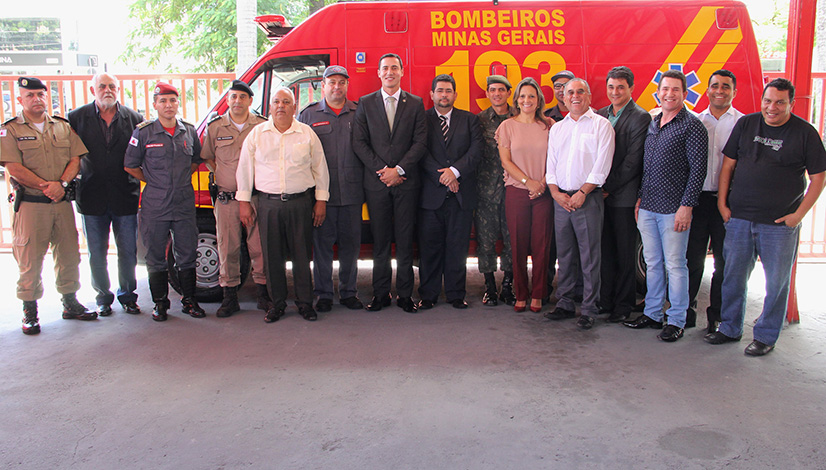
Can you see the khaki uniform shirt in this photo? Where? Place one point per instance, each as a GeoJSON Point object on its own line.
{"type": "Point", "coordinates": [222, 143]}
{"type": "Point", "coordinates": [46, 154]}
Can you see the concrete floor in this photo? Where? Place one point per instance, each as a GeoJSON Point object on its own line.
{"type": "Point", "coordinates": [484, 388]}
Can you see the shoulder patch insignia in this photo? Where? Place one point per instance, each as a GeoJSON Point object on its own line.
{"type": "Point", "coordinates": [144, 124]}
{"type": "Point", "coordinates": [133, 141]}
{"type": "Point", "coordinates": [2, 132]}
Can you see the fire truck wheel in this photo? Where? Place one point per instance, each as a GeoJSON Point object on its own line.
{"type": "Point", "coordinates": [640, 268]}
{"type": "Point", "coordinates": [206, 264]}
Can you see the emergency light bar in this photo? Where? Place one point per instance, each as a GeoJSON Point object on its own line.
{"type": "Point", "coordinates": [274, 26]}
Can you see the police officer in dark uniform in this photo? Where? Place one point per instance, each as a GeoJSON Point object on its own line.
{"type": "Point", "coordinates": [164, 153]}
{"type": "Point", "coordinates": [490, 212]}
{"type": "Point", "coordinates": [42, 154]}
{"type": "Point", "coordinates": [332, 120]}
{"type": "Point", "coordinates": [222, 147]}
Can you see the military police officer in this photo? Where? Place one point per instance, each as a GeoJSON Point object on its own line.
{"type": "Point", "coordinates": [490, 213]}
{"type": "Point", "coordinates": [332, 120]}
{"type": "Point", "coordinates": [222, 145]}
{"type": "Point", "coordinates": [42, 155]}
{"type": "Point", "coordinates": [164, 152]}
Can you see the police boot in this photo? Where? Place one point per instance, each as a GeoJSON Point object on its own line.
{"type": "Point", "coordinates": [188, 302]}
{"type": "Point", "coordinates": [264, 300]}
{"type": "Point", "coordinates": [31, 324]}
{"type": "Point", "coordinates": [230, 303]}
{"type": "Point", "coordinates": [490, 297]}
{"type": "Point", "coordinates": [73, 310]}
{"type": "Point", "coordinates": [159, 288]}
{"type": "Point", "coordinates": [507, 289]}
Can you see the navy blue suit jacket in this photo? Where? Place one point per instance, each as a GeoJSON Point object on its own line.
{"type": "Point", "coordinates": [462, 150]}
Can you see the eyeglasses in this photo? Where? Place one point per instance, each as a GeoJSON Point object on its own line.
{"type": "Point", "coordinates": [559, 86]}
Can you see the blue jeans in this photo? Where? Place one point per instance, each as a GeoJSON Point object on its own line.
{"type": "Point", "coordinates": [777, 247]}
{"type": "Point", "coordinates": [96, 229]}
{"type": "Point", "coordinates": [664, 251]}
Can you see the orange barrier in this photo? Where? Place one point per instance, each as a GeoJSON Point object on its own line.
{"type": "Point", "coordinates": [198, 94]}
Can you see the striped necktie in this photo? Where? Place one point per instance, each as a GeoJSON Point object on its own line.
{"type": "Point", "coordinates": [444, 127]}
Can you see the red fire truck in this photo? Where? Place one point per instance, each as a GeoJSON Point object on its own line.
{"type": "Point", "coordinates": [471, 40]}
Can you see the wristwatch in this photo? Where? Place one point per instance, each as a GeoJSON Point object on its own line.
{"type": "Point", "coordinates": [64, 184]}
{"type": "Point", "coordinates": [524, 180]}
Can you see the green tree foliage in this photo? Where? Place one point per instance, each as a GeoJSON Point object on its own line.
{"type": "Point", "coordinates": [30, 34]}
{"type": "Point", "coordinates": [201, 31]}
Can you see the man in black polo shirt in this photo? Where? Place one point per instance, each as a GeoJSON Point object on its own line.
{"type": "Point", "coordinates": [772, 151]}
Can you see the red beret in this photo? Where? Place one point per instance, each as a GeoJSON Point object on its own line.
{"type": "Point", "coordinates": [162, 88]}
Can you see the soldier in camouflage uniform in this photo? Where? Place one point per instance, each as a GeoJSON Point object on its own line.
{"type": "Point", "coordinates": [490, 213]}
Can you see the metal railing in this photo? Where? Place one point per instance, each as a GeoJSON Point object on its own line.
{"type": "Point", "coordinates": [198, 94]}
{"type": "Point", "coordinates": [813, 231]}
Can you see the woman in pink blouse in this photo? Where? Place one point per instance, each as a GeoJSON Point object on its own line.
{"type": "Point", "coordinates": [523, 148]}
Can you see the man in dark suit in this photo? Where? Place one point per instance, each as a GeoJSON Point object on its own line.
{"type": "Point", "coordinates": [107, 195]}
{"type": "Point", "coordinates": [448, 197]}
{"type": "Point", "coordinates": [619, 229]}
{"type": "Point", "coordinates": [390, 137]}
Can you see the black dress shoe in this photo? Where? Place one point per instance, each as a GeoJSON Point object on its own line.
{"type": "Point", "coordinates": [104, 310]}
{"type": "Point", "coordinates": [643, 321]}
{"type": "Point", "coordinates": [190, 307]}
{"type": "Point", "coordinates": [670, 333]}
{"type": "Point", "coordinates": [560, 314]}
{"type": "Point", "coordinates": [616, 317]}
{"type": "Point", "coordinates": [425, 304]}
{"type": "Point", "coordinates": [131, 308]}
{"type": "Point", "coordinates": [585, 322]}
{"type": "Point", "coordinates": [719, 338]}
{"type": "Point", "coordinates": [307, 312]}
{"type": "Point", "coordinates": [756, 348]}
{"type": "Point", "coordinates": [159, 312]}
{"type": "Point", "coordinates": [377, 303]}
{"type": "Point", "coordinates": [324, 305]}
{"type": "Point", "coordinates": [490, 298]}
{"type": "Point", "coordinates": [273, 314]}
{"type": "Point", "coordinates": [353, 303]}
{"type": "Point", "coordinates": [459, 303]}
{"type": "Point", "coordinates": [406, 304]}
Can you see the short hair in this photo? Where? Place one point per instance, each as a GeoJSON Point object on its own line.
{"type": "Point", "coordinates": [282, 88]}
{"type": "Point", "coordinates": [96, 78]}
{"type": "Point", "coordinates": [540, 105]}
{"type": "Point", "coordinates": [395, 56]}
{"type": "Point", "coordinates": [781, 84]}
{"type": "Point", "coordinates": [671, 73]}
{"type": "Point", "coordinates": [621, 73]}
{"type": "Point", "coordinates": [724, 73]}
{"type": "Point", "coordinates": [442, 77]}
{"type": "Point", "coordinates": [581, 80]}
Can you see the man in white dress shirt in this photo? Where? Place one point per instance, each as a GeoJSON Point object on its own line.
{"type": "Point", "coordinates": [580, 152]}
{"type": "Point", "coordinates": [707, 224]}
{"type": "Point", "coordinates": [284, 161]}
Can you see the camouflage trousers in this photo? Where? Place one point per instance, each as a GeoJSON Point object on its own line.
{"type": "Point", "coordinates": [491, 226]}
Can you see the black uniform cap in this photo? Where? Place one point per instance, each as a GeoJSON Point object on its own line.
{"type": "Point", "coordinates": [238, 85]}
{"type": "Point", "coordinates": [31, 83]}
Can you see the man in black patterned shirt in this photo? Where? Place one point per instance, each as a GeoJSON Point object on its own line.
{"type": "Point", "coordinates": [674, 167]}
